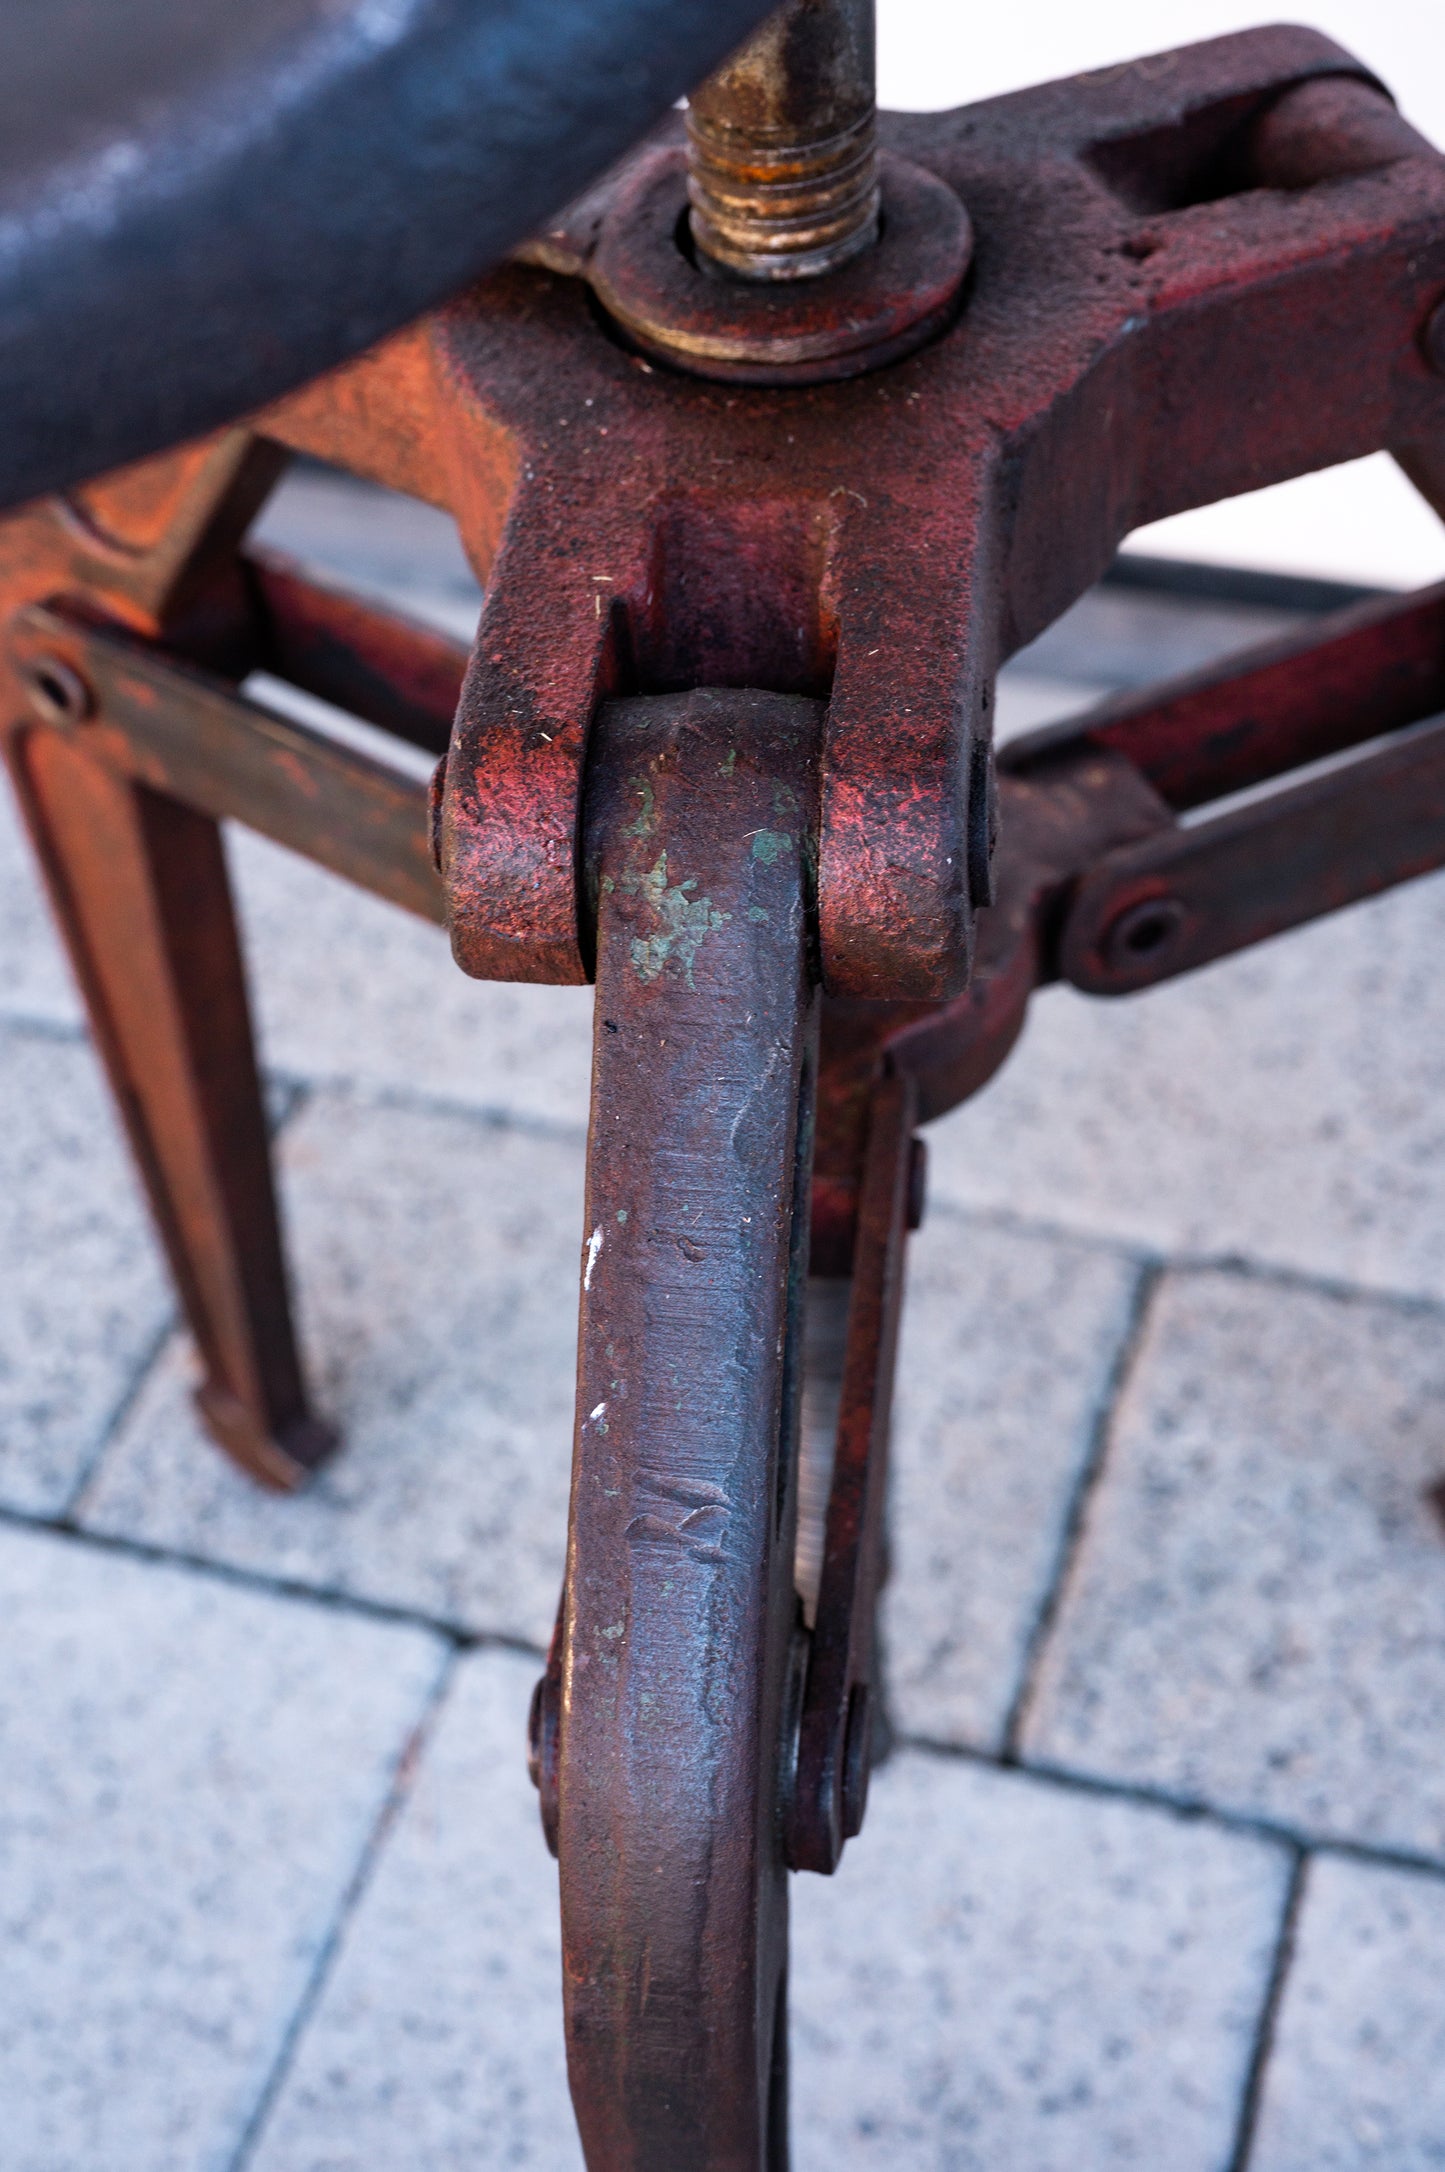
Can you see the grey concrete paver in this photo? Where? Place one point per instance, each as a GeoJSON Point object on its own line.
{"type": "Point", "coordinates": [1117, 636]}
{"type": "Point", "coordinates": [1356, 2078]}
{"type": "Point", "coordinates": [1256, 1619]}
{"type": "Point", "coordinates": [1008, 1977]}
{"type": "Point", "coordinates": [383, 544]}
{"type": "Point", "coordinates": [1287, 1106]}
{"type": "Point", "coordinates": [438, 2041]}
{"type": "Point", "coordinates": [35, 982]}
{"type": "Point", "coordinates": [1007, 1346]}
{"type": "Point", "coordinates": [191, 1776]}
{"type": "Point", "coordinates": [1008, 1973]}
{"type": "Point", "coordinates": [346, 987]}
{"type": "Point", "coordinates": [437, 1261]}
{"type": "Point", "coordinates": [952, 2009]}
{"type": "Point", "coordinates": [82, 1292]}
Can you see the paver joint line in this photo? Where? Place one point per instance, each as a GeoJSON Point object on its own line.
{"type": "Point", "coordinates": [223, 1572]}
{"type": "Point", "coordinates": [1269, 2015]}
{"type": "Point", "coordinates": [1190, 1809]}
{"type": "Point", "coordinates": [1126, 1355]}
{"type": "Point", "coordinates": [402, 1781]}
{"type": "Point", "coordinates": [145, 1365]}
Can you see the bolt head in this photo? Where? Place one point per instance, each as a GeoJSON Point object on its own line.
{"type": "Point", "coordinates": [1142, 933]}
{"type": "Point", "coordinates": [58, 694]}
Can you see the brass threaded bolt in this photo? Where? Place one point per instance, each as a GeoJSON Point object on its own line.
{"type": "Point", "coordinates": [782, 147]}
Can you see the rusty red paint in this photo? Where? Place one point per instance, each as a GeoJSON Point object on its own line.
{"type": "Point", "coordinates": [1163, 308]}
{"type": "Point", "coordinates": [678, 1617]}
{"type": "Point", "coordinates": [835, 1726]}
{"type": "Point", "coordinates": [1134, 341]}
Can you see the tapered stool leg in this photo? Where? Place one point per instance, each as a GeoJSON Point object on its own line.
{"type": "Point", "coordinates": [140, 890]}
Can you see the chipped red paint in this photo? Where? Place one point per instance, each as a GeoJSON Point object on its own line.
{"type": "Point", "coordinates": [1191, 277]}
{"type": "Point", "coordinates": [1145, 330]}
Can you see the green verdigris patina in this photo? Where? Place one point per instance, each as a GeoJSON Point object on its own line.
{"type": "Point", "coordinates": [686, 920]}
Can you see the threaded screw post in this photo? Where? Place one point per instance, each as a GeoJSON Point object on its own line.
{"type": "Point", "coordinates": [782, 149]}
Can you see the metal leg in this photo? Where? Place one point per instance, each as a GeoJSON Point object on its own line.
{"type": "Point", "coordinates": [681, 1638]}
{"type": "Point", "coordinates": [140, 890]}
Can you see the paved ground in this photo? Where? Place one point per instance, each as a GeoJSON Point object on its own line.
{"type": "Point", "coordinates": [1156, 1877]}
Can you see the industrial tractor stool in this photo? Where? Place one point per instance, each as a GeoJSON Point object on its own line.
{"type": "Point", "coordinates": [768, 452]}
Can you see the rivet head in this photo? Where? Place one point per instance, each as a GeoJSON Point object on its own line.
{"type": "Point", "coordinates": [1142, 933]}
{"type": "Point", "coordinates": [58, 693]}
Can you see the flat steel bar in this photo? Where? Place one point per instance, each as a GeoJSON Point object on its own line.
{"type": "Point", "coordinates": [190, 735]}
{"type": "Point", "coordinates": [1189, 895]}
{"type": "Point", "coordinates": [1344, 679]}
{"type": "Point", "coordinates": [680, 1614]}
{"type": "Point", "coordinates": [377, 663]}
{"type": "Point", "coordinates": [835, 1730]}
{"type": "Point", "coordinates": [141, 894]}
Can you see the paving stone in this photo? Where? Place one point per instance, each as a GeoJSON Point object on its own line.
{"type": "Point", "coordinates": [82, 1292]}
{"type": "Point", "coordinates": [1356, 2077]}
{"type": "Point", "coordinates": [382, 543]}
{"type": "Point", "coordinates": [1287, 1106]}
{"type": "Point", "coordinates": [437, 1261]}
{"type": "Point", "coordinates": [950, 2012]}
{"type": "Point", "coordinates": [1025, 700]}
{"type": "Point", "coordinates": [1118, 636]}
{"type": "Point", "coordinates": [35, 982]}
{"type": "Point", "coordinates": [192, 1773]}
{"type": "Point", "coordinates": [438, 2040]}
{"type": "Point", "coordinates": [348, 987]}
{"type": "Point", "coordinates": [345, 986]}
{"type": "Point", "coordinates": [1257, 1614]}
{"type": "Point", "coordinates": [1007, 1347]}
{"type": "Point", "coordinates": [1008, 1977]}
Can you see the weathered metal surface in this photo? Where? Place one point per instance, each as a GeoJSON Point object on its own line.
{"type": "Point", "coordinates": [1133, 342]}
{"type": "Point", "coordinates": [1324, 130]}
{"type": "Point", "coordinates": [1188, 896]}
{"type": "Point", "coordinates": [835, 1730]}
{"type": "Point", "coordinates": [139, 888]}
{"type": "Point", "coordinates": [777, 247]}
{"type": "Point", "coordinates": [679, 1612]}
{"type": "Point", "coordinates": [374, 662]}
{"type": "Point", "coordinates": [279, 184]}
{"type": "Point", "coordinates": [1166, 306]}
{"type": "Point", "coordinates": [880, 304]}
{"type": "Point", "coordinates": [1101, 885]}
{"type": "Point", "coordinates": [1369, 669]}
{"type": "Point", "coordinates": [1051, 829]}
{"type": "Point", "coordinates": [182, 732]}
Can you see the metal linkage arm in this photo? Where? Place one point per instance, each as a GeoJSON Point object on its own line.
{"type": "Point", "coordinates": [180, 729]}
{"type": "Point", "coordinates": [1152, 907]}
{"type": "Point", "coordinates": [1193, 276]}
{"type": "Point", "coordinates": [1111, 874]}
{"type": "Point", "coordinates": [835, 1734]}
{"type": "Point", "coordinates": [671, 1734]}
